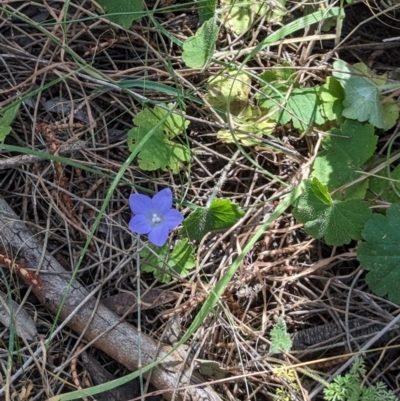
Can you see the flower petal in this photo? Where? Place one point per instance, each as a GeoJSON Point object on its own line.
{"type": "Point", "coordinates": [162, 201]}
{"type": "Point", "coordinates": [139, 224]}
{"type": "Point", "coordinates": [140, 204]}
{"type": "Point", "coordinates": [158, 235]}
{"type": "Point", "coordinates": [173, 218]}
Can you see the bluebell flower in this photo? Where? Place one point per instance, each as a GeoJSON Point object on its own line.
{"type": "Point", "coordinates": [154, 216]}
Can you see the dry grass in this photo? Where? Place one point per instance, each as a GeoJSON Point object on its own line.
{"type": "Point", "coordinates": [278, 278]}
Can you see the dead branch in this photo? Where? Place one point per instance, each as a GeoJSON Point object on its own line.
{"type": "Point", "coordinates": [23, 160]}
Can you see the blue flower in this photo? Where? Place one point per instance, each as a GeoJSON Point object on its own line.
{"type": "Point", "coordinates": [154, 216]}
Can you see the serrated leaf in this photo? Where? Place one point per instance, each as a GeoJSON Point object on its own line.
{"type": "Point", "coordinates": [221, 214]}
{"type": "Point", "coordinates": [345, 151]}
{"type": "Point", "coordinates": [159, 152]}
{"type": "Point", "coordinates": [198, 50]}
{"type": "Point", "coordinates": [225, 213]}
{"type": "Point", "coordinates": [362, 100]}
{"type": "Point", "coordinates": [155, 153]}
{"type": "Point", "coordinates": [229, 90]}
{"type": "Point", "coordinates": [180, 261]}
{"type": "Point", "coordinates": [380, 253]}
{"type": "Point", "coordinates": [173, 124]}
{"type": "Point", "coordinates": [123, 12]}
{"type": "Point", "coordinates": [337, 222]}
{"type": "Point", "coordinates": [280, 339]}
{"type": "Point", "coordinates": [301, 107]}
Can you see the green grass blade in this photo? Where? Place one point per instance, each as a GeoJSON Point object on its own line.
{"type": "Point", "coordinates": [294, 26]}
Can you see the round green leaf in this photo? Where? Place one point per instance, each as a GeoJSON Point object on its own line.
{"type": "Point", "coordinates": [380, 253]}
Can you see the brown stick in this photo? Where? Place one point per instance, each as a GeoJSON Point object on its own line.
{"type": "Point", "coordinates": [121, 342]}
{"type": "Point", "coordinates": [23, 160]}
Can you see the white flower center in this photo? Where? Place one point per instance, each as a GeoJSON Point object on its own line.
{"type": "Point", "coordinates": [155, 218]}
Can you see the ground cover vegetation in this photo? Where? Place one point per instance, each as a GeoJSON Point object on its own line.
{"type": "Point", "coordinates": [199, 200]}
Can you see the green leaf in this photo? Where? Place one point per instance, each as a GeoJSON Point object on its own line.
{"type": "Point", "coordinates": [380, 253]}
{"type": "Point", "coordinates": [275, 10]}
{"type": "Point", "coordinates": [173, 124]}
{"type": "Point", "coordinates": [362, 100]}
{"type": "Point", "coordinates": [321, 192]}
{"type": "Point", "coordinates": [155, 153]}
{"type": "Point", "coordinates": [122, 12]}
{"type": "Point", "coordinates": [225, 213]}
{"type": "Point", "coordinates": [211, 369]}
{"type": "Point", "coordinates": [351, 387]}
{"type": "Point", "coordinates": [337, 222]}
{"type": "Point", "coordinates": [345, 151]}
{"type": "Point", "coordinates": [280, 339]}
{"type": "Point", "coordinates": [206, 10]}
{"type": "Point", "coordinates": [198, 50]}
{"type": "Point", "coordinates": [380, 187]}
{"type": "Point", "coordinates": [391, 111]}
{"type": "Point", "coordinates": [6, 119]}
{"type": "Point", "coordinates": [159, 151]}
{"type": "Point", "coordinates": [238, 15]}
{"type": "Point", "coordinates": [283, 74]}
{"type": "Point", "coordinates": [221, 214]}
{"type": "Point", "coordinates": [301, 107]}
{"type": "Point", "coordinates": [229, 91]}
{"type": "Point", "coordinates": [331, 97]}
{"type": "Point", "coordinates": [250, 127]}
{"type": "Point", "coordinates": [4, 131]}
{"type": "Point", "coordinates": [181, 260]}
